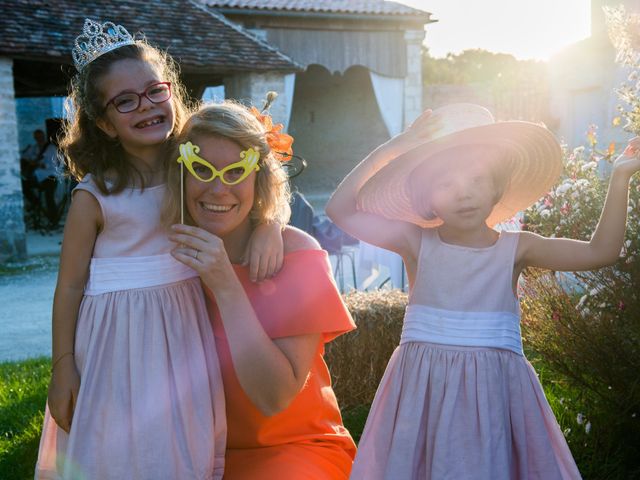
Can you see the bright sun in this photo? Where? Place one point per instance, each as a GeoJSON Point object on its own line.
{"type": "Point", "coordinates": [523, 28]}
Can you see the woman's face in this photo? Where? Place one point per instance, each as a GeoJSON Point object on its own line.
{"type": "Point", "coordinates": [214, 206]}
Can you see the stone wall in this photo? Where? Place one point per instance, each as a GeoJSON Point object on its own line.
{"type": "Point", "coordinates": [12, 229]}
{"type": "Point", "coordinates": [251, 88]}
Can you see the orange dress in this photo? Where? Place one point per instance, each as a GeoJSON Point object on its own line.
{"type": "Point", "coordinates": [308, 439]}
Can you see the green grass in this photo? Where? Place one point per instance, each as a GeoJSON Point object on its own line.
{"type": "Point", "coordinates": [39, 263]}
{"type": "Point", "coordinates": [23, 394]}
{"type": "Point", "coordinates": [354, 419]}
{"type": "Point", "coordinates": [598, 453]}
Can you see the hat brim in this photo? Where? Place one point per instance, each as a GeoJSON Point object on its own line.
{"type": "Point", "coordinates": [536, 162]}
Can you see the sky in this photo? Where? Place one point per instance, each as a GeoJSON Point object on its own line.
{"type": "Point", "coordinates": [528, 29]}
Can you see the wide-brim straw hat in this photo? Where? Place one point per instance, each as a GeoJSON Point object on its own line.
{"type": "Point", "coordinates": [531, 150]}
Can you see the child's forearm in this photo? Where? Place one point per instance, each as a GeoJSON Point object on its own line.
{"type": "Point", "coordinates": [608, 236]}
{"type": "Point", "coordinates": [66, 304]}
{"type": "Point", "coordinates": [343, 200]}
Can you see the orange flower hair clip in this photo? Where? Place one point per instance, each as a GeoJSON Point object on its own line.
{"type": "Point", "coordinates": [280, 143]}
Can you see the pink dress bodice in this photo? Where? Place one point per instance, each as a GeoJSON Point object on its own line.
{"type": "Point", "coordinates": [132, 226]}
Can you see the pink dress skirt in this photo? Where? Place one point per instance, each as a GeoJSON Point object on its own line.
{"type": "Point", "coordinates": [151, 403]}
{"type": "Point", "coordinates": [461, 413]}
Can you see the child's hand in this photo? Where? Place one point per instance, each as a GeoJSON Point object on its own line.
{"type": "Point", "coordinates": [629, 162]}
{"type": "Point", "coordinates": [264, 253]}
{"type": "Point", "coordinates": [63, 392]}
{"type": "Point", "coordinates": [420, 131]}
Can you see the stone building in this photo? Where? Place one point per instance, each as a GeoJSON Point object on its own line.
{"type": "Point", "coordinates": [361, 83]}
{"type": "Point", "coordinates": [348, 72]}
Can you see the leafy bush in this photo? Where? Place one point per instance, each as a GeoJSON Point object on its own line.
{"type": "Point", "coordinates": [586, 325]}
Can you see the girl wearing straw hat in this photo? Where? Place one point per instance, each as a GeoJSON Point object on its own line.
{"type": "Point", "coordinates": [458, 399]}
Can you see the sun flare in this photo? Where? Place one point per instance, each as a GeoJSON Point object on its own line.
{"type": "Point", "coordinates": [528, 30]}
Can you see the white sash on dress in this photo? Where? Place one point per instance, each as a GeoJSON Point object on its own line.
{"type": "Point", "coordinates": [472, 329]}
{"type": "Point", "coordinates": [127, 273]}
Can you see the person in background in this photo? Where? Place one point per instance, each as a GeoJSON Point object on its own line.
{"type": "Point", "coordinates": [28, 163]}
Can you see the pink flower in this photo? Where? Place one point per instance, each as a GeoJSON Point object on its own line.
{"type": "Point", "coordinates": [621, 305]}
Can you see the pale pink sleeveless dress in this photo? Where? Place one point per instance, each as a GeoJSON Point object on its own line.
{"type": "Point", "coordinates": [151, 404]}
{"type": "Point", "coordinates": [458, 399]}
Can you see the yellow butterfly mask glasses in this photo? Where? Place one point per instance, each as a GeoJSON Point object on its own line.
{"type": "Point", "coordinates": [205, 172]}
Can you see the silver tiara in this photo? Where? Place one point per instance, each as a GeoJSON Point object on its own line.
{"type": "Point", "coordinates": [97, 39]}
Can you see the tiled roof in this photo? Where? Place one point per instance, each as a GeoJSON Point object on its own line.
{"type": "Point", "coordinates": [199, 39]}
{"type": "Point", "coordinates": [370, 7]}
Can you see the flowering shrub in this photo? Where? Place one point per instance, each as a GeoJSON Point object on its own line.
{"type": "Point", "coordinates": [624, 32]}
{"type": "Point", "coordinates": [585, 326]}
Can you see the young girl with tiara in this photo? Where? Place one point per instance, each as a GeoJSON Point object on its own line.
{"type": "Point", "coordinates": [136, 390]}
{"type": "Point", "coordinates": [458, 399]}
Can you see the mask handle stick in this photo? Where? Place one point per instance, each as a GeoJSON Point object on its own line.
{"type": "Point", "coordinates": [181, 193]}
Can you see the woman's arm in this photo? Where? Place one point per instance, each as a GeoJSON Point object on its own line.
{"type": "Point", "coordinates": [80, 231]}
{"type": "Point", "coordinates": [604, 247]}
{"type": "Point", "coordinates": [395, 235]}
{"type": "Point", "coordinates": [271, 371]}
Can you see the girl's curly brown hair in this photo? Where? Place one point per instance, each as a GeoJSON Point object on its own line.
{"type": "Point", "coordinates": [86, 148]}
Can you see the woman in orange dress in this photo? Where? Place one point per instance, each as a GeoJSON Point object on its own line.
{"type": "Point", "coordinates": [283, 419]}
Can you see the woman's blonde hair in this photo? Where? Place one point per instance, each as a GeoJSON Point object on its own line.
{"type": "Point", "coordinates": [87, 149]}
{"type": "Point", "coordinates": [235, 122]}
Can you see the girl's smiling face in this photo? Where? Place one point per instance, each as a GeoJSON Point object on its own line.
{"type": "Point", "coordinates": [221, 209]}
{"type": "Point", "coordinates": [151, 124]}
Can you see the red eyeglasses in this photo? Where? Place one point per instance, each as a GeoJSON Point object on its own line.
{"type": "Point", "coordinates": [130, 101]}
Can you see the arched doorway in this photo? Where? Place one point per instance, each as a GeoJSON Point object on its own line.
{"type": "Point", "coordinates": [335, 121]}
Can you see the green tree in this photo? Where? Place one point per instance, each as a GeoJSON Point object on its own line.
{"type": "Point", "coordinates": [479, 66]}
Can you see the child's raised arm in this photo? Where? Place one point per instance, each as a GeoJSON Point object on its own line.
{"type": "Point", "coordinates": [606, 242]}
{"type": "Point", "coordinates": [342, 208]}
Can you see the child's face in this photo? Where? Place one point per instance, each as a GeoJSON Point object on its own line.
{"type": "Point", "coordinates": [214, 206]}
{"type": "Point", "coordinates": [151, 124]}
{"type": "Point", "coordinates": [462, 193]}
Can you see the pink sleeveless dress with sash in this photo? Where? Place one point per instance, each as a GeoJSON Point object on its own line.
{"type": "Point", "coordinates": [459, 400]}
{"type": "Point", "coordinates": [151, 402]}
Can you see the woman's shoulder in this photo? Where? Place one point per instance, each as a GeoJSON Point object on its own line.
{"type": "Point", "coordinates": [295, 239]}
